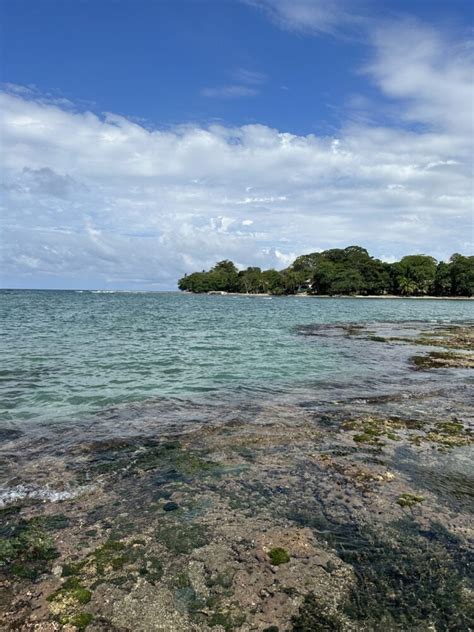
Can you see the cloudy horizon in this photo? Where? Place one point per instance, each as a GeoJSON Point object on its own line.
{"type": "Point", "coordinates": [108, 198]}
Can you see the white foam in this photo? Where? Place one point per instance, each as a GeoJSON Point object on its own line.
{"type": "Point", "coordinates": [9, 495]}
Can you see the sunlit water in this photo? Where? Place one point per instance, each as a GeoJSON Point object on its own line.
{"type": "Point", "coordinates": [69, 354]}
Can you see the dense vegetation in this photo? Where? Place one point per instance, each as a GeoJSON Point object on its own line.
{"type": "Point", "coordinates": [342, 271]}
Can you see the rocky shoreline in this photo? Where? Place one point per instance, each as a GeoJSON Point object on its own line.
{"type": "Point", "coordinates": [344, 513]}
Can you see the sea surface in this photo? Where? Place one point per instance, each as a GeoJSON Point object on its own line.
{"type": "Point", "coordinates": [67, 355]}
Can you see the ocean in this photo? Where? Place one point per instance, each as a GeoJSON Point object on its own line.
{"type": "Point", "coordinates": [68, 354]}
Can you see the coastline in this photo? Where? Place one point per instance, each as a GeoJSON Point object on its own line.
{"type": "Point", "coordinates": [345, 296]}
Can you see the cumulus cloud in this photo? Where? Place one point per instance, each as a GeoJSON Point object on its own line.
{"type": "Point", "coordinates": [106, 199]}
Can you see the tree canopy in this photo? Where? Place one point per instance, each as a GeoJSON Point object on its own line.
{"type": "Point", "coordinates": [342, 271]}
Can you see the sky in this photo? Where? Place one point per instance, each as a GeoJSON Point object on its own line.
{"type": "Point", "coordinates": [145, 139]}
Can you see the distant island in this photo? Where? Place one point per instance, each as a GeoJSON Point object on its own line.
{"type": "Point", "coordinates": [342, 271]}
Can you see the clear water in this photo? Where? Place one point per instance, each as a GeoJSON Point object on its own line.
{"type": "Point", "coordinates": [69, 354]}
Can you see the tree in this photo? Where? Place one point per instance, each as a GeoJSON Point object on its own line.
{"type": "Point", "coordinates": [406, 286]}
{"type": "Point", "coordinates": [292, 280]}
{"type": "Point", "coordinates": [308, 263]}
{"type": "Point", "coordinates": [272, 282]}
{"type": "Point", "coordinates": [250, 281]}
{"type": "Point", "coordinates": [348, 270]}
{"type": "Point", "coordinates": [419, 269]}
{"type": "Point", "coordinates": [322, 277]}
{"type": "Point", "coordinates": [442, 282]}
{"type": "Point", "coordinates": [347, 282]}
{"type": "Point", "coordinates": [462, 275]}
{"type": "Point", "coordinates": [225, 276]}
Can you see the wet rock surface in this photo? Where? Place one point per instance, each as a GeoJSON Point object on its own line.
{"type": "Point", "coordinates": [336, 510]}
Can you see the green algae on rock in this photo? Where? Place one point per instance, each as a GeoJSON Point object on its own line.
{"type": "Point", "coordinates": [313, 616]}
{"type": "Point", "coordinates": [71, 590]}
{"type": "Point", "coordinates": [409, 500]}
{"type": "Point", "coordinates": [26, 549]}
{"type": "Point", "coordinates": [372, 430]}
{"type": "Point", "coordinates": [66, 604]}
{"type": "Point", "coordinates": [278, 556]}
{"type": "Point", "coordinates": [443, 360]}
{"type": "Point", "coordinates": [450, 434]}
{"type": "Point", "coordinates": [182, 538]}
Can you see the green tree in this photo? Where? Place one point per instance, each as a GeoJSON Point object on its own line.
{"type": "Point", "coordinates": [272, 282]}
{"type": "Point", "coordinates": [462, 275]}
{"type": "Point", "coordinates": [419, 269]}
{"type": "Point", "coordinates": [347, 282]}
{"type": "Point", "coordinates": [348, 270]}
{"type": "Point", "coordinates": [250, 281]}
{"type": "Point", "coordinates": [323, 276]}
{"type": "Point", "coordinates": [225, 276]}
{"type": "Point", "coordinates": [442, 282]}
{"type": "Point", "coordinates": [308, 263]}
{"type": "Point", "coordinates": [406, 286]}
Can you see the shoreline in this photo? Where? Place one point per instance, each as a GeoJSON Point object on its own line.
{"type": "Point", "coordinates": [326, 296]}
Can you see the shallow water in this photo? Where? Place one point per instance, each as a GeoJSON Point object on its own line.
{"type": "Point", "coordinates": [68, 354]}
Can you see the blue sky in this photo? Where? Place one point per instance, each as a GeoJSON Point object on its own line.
{"type": "Point", "coordinates": [144, 139]}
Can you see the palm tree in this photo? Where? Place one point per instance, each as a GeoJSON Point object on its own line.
{"type": "Point", "coordinates": [407, 286]}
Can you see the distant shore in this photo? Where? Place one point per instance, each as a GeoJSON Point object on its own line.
{"type": "Point", "coordinates": [356, 296]}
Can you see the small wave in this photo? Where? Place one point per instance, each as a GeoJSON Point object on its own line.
{"type": "Point", "coordinates": [9, 495]}
{"type": "Point", "coordinates": [105, 291]}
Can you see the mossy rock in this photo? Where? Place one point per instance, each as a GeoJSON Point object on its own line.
{"type": "Point", "coordinates": [372, 430]}
{"type": "Point", "coordinates": [450, 427]}
{"type": "Point", "coordinates": [278, 556]}
{"type": "Point", "coordinates": [405, 579]}
{"type": "Point", "coordinates": [450, 434]}
{"type": "Point", "coordinates": [182, 538]}
{"type": "Point", "coordinates": [71, 590]}
{"type": "Point", "coordinates": [113, 561]}
{"type": "Point", "coordinates": [229, 620]}
{"type": "Point", "coordinates": [152, 570]}
{"type": "Point", "coordinates": [313, 617]}
{"type": "Point", "coordinates": [443, 359]}
{"type": "Point", "coordinates": [26, 549]}
{"type": "Point", "coordinates": [409, 500]}
{"type": "Point", "coordinates": [79, 620]}
{"type": "Point", "coordinates": [72, 568]}
{"type": "Point", "coordinates": [365, 437]}
{"type": "Point", "coordinates": [113, 555]}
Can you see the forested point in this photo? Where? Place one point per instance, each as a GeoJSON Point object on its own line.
{"type": "Point", "coordinates": [342, 271]}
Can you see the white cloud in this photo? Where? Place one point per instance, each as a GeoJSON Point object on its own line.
{"type": "Point", "coordinates": [429, 75]}
{"type": "Point", "coordinates": [334, 17]}
{"type": "Point", "coordinates": [109, 200]}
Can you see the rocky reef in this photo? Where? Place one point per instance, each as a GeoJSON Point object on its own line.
{"type": "Point", "coordinates": [338, 513]}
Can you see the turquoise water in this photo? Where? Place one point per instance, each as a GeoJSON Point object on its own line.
{"type": "Point", "coordinates": [69, 354]}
